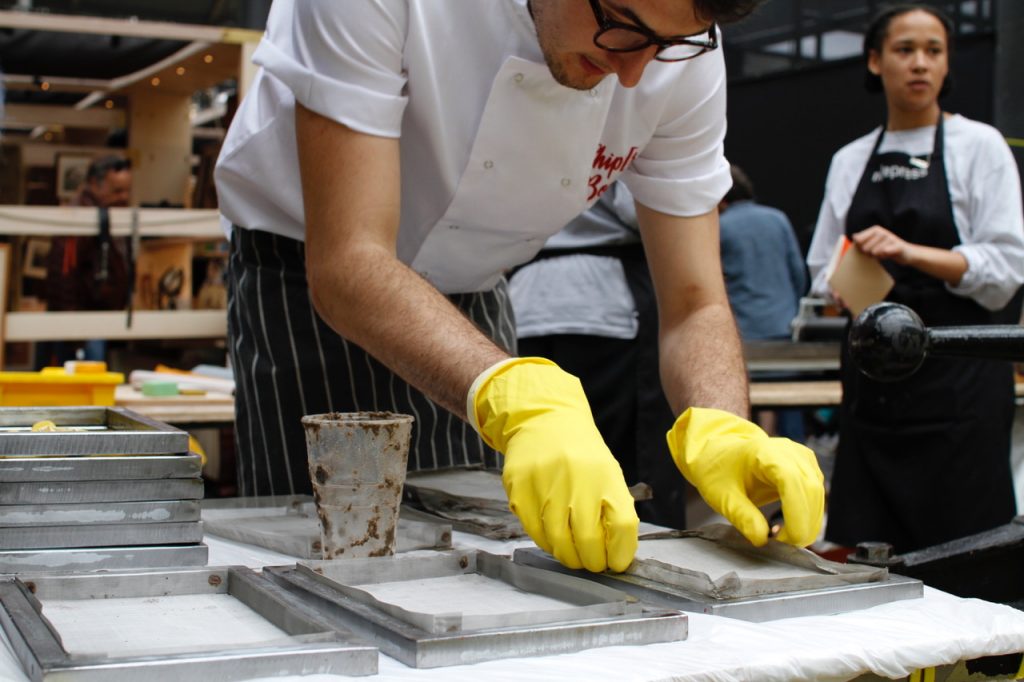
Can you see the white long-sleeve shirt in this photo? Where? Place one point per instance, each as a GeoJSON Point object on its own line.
{"type": "Point", "coordinates": [985, 191]}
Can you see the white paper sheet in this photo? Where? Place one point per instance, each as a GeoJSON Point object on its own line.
{"type": "Point", "coordinates": [140, 625]}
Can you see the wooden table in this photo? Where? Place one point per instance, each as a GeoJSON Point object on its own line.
{"type": "Point", "coordinates": [769, 394]}
{"type": "Point", "coordinates": [211, 408]}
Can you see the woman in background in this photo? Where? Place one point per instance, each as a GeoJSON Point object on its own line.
{"type": "Point", "coordinates": [936, 198]}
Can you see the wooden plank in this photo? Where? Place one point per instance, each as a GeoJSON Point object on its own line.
{"type": "Point", "coordinates": [81, 221]}
{"type": "Point", "coordinates": [39, 114]}
{"type": "Point", "coordinates": [182, 409]}
{"type": "Point", "coordinates": [807, 393]}
{"type": "Point", "coordinates": [161, 131]}
{"type": "Point", "coordinates": [795, 393]}
{"type": "Point", "coordinates": [126, 395]}
{"type": "Point", "coordinates": [146, 324]}
{"type": "Point", "coordinates": [67, 23]}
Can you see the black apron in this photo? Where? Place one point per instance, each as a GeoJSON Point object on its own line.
{"type": "Point", "coordinates": [925, 459]}
{"type": "Point", "coordinates": [288, 363]}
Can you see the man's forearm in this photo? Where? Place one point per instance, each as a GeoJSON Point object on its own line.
{"type": "Point", "coordinates": [351, 194]}
{"type": "Point", "coordinates": [702, 363]}
{"type": "Point", "coordinates": [381, 304]}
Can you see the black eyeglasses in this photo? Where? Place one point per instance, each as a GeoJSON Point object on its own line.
{"type": "Point", "coordinates": [616, 36]}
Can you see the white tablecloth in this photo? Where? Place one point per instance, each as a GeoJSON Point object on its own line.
{"type": "Point", "coordinates": [891, 640]}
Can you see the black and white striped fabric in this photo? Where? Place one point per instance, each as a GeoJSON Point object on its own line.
{"type": "Point", "coordinates": [289, 363]}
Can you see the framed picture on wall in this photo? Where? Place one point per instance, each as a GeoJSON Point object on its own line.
{"type": "Point", "coordinates": [34, 262]}
{"type": "Point", "coordinates": [71, 170]}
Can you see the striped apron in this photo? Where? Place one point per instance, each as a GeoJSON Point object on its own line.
{"type": "Point", "coordinates": [289, 363]}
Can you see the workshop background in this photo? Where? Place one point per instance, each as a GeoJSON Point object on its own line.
{"type": "Point", "coordinates": [158, 81]}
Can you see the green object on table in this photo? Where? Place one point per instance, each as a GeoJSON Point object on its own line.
{"type": "Point", "coordinates": [156, 388]}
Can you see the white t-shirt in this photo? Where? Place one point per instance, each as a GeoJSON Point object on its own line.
{"type": "Point", "coordinates": [496, 156]}
{"type": "Point", "coordinates": [581, 293]}
{"type": "Point", "coordinates": [984, 187]}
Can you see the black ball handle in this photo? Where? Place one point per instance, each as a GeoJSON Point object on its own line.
{"type": "Point", "coordinates": [888, 342]}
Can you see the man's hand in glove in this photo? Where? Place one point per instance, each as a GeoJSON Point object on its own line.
{"type": "Point", "coordinates": [562, 481]}
{"type": "Point", "coordinates": [738, 468]}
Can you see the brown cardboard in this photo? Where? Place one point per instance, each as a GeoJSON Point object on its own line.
{"type": "Point", "coordinates": [858, 279]}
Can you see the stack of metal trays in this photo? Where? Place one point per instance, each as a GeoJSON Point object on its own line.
{"type": "Point", "coordinates": [108, 488]}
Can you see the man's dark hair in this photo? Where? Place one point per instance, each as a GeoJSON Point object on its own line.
{"type": "Point", "coordinates": [99, 168]}
{"type": "Point", "coordinates": [742, 188]}
{"type": "Point", "coordinates": [876, 31]}
{"type": "Point", "coordinates": [724, 11]}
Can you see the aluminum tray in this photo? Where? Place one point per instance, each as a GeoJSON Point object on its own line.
{"type": "Point", "coordinates": [105, 558]}
{"type": "Point", "coordinates": [106, 535]}
{"type": "Point", "coordinates": [753, 584]}
{"type": "Point", "coordinates": [289, 524]}
{"type": "Point", "coordinates": [83, 468]}
{"type": "Point", "coordinates": [472, 501]}
{"type": "Point", "coordinates": [409, 607]}
{"type": "Point", "coordinates": [72, 492]}
{"type": "Point", "coordinates": [100, 431]}
{"type": "Point", "coordinates": [291, 639]}
{"type": "Point", "coordinates": [89, 513]}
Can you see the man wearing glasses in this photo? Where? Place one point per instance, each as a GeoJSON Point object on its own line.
{"type": "Point", "coordinates": [394, 158]}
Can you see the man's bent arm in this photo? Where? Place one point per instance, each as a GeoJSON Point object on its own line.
{"type": "Point", "coordinates": [699, 347]}
{"type": "Point", "coordinates": [351, 190]}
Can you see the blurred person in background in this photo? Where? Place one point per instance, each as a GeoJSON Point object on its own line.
{"type": "Point", "coordinates": [89, 273]}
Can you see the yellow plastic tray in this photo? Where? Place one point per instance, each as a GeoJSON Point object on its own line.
{"type": "Point", "coordinates": [55, 386]}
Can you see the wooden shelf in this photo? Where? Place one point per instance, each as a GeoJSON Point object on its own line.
{"type": "Point", "coordinates": [146, 324]}
{"type": "Point", "coordinates": [78, 221]}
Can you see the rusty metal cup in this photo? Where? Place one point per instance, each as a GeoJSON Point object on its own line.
{"type": "Point", "coordinates": [357, 466]}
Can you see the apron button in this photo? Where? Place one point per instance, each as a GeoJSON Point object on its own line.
{"type": "Point", "coordinates": [518, 78]}
{"type": "Point", "coordinates": [488, 165]}
{"type": "Point", "coordinates": [566, 182]}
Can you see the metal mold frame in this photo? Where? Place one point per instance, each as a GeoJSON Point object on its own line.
{"type": "Point", "coordinates": [101, 535]}
{"type": "Point", "coordinates": [89, 513]}
{"type": "Point", "coordinates": [315, 645]}
{"type": "Point", "coordinates": [327, 587]}
{"type": "Point", "coordinates": [816, 602]}
{"type": "Point", "coordinates": [103, 558]}
{"type": "Point", "coordinates": [127, 467]}
{"type": "Point", "coordinates": [108, 431]}
{"type": "Point", "coordinates": [123, 490]}
{"type": "Point", "coordinates": [263, 521]}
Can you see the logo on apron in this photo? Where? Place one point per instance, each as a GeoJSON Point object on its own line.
{"type": "Point", "coordinates": [898, 172]}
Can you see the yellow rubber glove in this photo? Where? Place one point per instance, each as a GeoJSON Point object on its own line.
{"type": "Point", "coordinates": [561, 479]}
{"type": "Point", "coordinates": [738, 468]}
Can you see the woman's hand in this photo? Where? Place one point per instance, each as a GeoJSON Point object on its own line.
{"type": "Point", "coordinates": [945, 264]}
{"type": "Point", "coordinates": [882, 244]}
